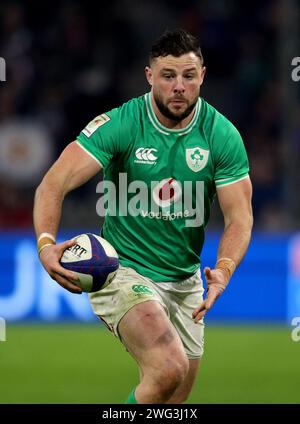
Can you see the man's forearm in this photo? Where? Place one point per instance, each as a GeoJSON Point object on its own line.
{"type": "Point", "coordinates": [235, 241]}
{"type": "Point", "coordinates": [47, 209]}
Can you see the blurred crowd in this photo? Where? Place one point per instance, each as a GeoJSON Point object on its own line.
{"type": "Point", "coordinates": [69, 61]}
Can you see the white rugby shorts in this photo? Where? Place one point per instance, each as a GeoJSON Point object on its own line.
{"type": "Point", "coordinates": [179, 299]}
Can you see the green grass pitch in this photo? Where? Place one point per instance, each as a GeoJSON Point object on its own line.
{"type": "Point", "coordinates": [86, 364]}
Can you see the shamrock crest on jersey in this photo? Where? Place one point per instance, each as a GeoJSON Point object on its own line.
{"type": "Point", "coordinates": [196, 158]}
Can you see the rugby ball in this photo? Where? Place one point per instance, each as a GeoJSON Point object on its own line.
{"type": "Point", "coordinates": [94, 260]}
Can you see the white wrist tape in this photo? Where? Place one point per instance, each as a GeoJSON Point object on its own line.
{"type": "Point", "coordinates": [48, 235]}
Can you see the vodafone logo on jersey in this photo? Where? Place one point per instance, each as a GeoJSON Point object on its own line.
{"type": "Point", "coordinates": [165, 200]}
{"type": "Point", "coordinates": [166, 192]}
{"type": "Point", "coordinates": [146, 155]}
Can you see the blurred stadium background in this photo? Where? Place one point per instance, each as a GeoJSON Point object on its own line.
{"type": "Point", "coordinates": [68, 61]}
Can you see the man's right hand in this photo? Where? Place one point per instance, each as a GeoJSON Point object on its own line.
{"type": "Point", "coordinates": [50, 258]}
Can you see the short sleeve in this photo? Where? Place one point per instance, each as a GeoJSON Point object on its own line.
{"type": "Point", "coordinates": [101, 137]}
{"type": "Point", "coordinates": [231, 159]}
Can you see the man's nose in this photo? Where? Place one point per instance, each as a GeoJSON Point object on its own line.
{"type": "Point", "coordinates": [179, 87]}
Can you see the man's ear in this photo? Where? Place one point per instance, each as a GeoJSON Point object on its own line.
{"type": "Point", "coordinates": [203, 72]}
{"type": "Point", "coordinates": [149, 75]}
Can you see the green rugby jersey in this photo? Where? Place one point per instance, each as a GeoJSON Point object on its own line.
{"type": "Point", "coordinates": [165, 181]}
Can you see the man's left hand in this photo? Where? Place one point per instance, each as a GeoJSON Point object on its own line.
{"type": "Point", "coordinates": [216, 283]}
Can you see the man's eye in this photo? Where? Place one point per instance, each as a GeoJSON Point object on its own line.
{"type": "Point", "coordinates": [189, 76]}
{"type": "Point", "coordinates": [168, 76]}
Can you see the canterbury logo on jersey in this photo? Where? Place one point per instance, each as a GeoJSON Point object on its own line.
{"type": "Point", "coordinates": [145, 155]}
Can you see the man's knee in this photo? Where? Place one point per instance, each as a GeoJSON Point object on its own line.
{"type": "Point", "coordinates": [169, 374]}
{"type": "Point", "coordinates": [148, 334]}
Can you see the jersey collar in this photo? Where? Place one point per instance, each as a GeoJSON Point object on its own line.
{"type": "Point", "coordinates": [164, 130]}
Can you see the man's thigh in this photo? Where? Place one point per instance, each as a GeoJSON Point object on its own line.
{"type": "Point", "coordinates": [127, 290]}
{"type": "Point", "coordinates": [149, 336]}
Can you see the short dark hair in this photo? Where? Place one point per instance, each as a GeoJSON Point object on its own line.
{"type": "Point", "coordinates": [175, 43]}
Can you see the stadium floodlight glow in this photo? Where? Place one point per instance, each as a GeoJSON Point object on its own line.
{"type": "Point", "coordinates": [2, 330]}
{"type": "Point", "coordinates": [2, 69]}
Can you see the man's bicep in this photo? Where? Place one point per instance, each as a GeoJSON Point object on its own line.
{"type": "Point", "coordinates": [235, 200]}
{"type": "Point", "coordinates": [74, 167]}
